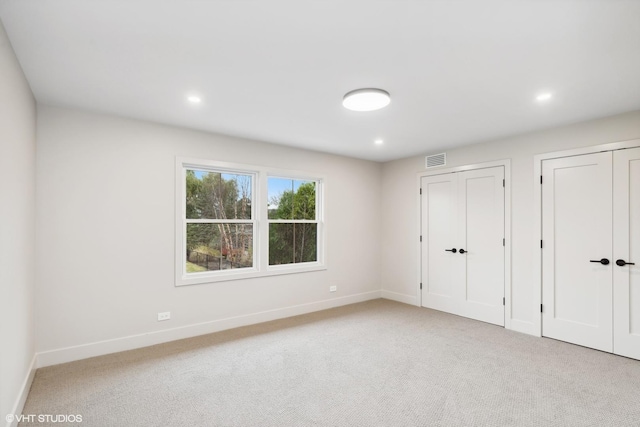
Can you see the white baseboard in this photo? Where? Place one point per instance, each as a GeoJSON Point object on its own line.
{"type": "Point", "coordinates": [84, 351]}
{"type": "Point", "coordinates": [524, 327]}
{"type": "Point", "coordinates": [404, 298]}
{"type": "Point", "coordinates": [24, 392]}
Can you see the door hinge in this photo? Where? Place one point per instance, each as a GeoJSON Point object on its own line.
{"type": "Point", "coordinates": [540, 179]}
{"type": "Point", "coordinates": [540, 308]}
{"type": "Point", "coordinates": [421, 238]}
{"type": "Point", "coordinates": [503, 301]}
{"type": "Point", "coordinates": [421, 191]}
{"type": "Point", "coordinates": [503, 183]}
{"type": "Point", "coordinates": [420, 285]}
{"type": "Point", "coordinates": [503, 241]}
{"type": "Point", "coordinates": [540, 244]}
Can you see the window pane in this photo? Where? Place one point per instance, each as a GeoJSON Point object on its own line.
{"type": "Point", "coordinates": [219, 247]}
{"type": "Point", "coordinates": [292, 243]}
{"type": "Point", "coordinates": [214, 195]}
{"type": "Point", "coordinates": [292, 199]}
{"type": "Point", "coordinates": [304, 201]}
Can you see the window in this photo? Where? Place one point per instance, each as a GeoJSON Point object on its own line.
{"type": "Point", "coordinates": [219, 220]}
{"type": "Point", "coordinates": [293, 224]}
{"type": "Point", "coordinates": [238, 221]}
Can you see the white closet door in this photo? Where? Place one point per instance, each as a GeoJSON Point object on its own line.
{"type": "Point", "coordinates": [481, 233]}
{"type": "Point", "coordinates": [462, 243]}
{"type": "Point", "coordinates": [439, 234]}
{"type": "Point", "coordinates": [576, 230]}
{"type": "Point", "coordinates": [626, 292]}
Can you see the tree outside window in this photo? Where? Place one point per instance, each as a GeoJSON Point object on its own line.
{"type": "Point", "coordinates": [293, 222]}
{"type": "Point", "coordinates": [219, 221]}
{"type": "Point", "coordinates": [236, 221]}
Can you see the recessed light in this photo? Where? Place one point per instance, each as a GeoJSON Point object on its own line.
{"type": "Point", "coordinates": [194, 99]}
{"type": "Point", "coordinates": [366, 99]}
{"type": "Point", "coordinates": [378, 142]}
{"type": "Point", "coordinates": [544, 97]}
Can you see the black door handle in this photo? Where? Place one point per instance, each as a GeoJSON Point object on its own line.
{"type": "Point", "coordinates": [462, 251]}
{"type": "Point", "coordinates": [622, 263]}
{"type": "Point", "coordinates": [603, 261]}
{"type": "Point", "coordinates": [451, 250]}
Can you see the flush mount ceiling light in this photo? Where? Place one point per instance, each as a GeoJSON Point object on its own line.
{"type": "Point", "coordinates": [194, 99]}
{"type": "Point", "coordinates": [366, 99]}
{"type": "Point", "coordinates": [378, 141]}
{"type": "Point", "coordinates": [544, 97]}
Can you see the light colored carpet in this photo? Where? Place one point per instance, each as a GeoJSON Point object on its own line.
{"type": "Point", "coordinates": [378, 363]}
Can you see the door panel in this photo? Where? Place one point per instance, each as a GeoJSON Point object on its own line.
{"type": "Point", "coordinates": [481, 224]}
{"type": "Point", "coordinates": [439, 233]}
{"type": "Point", "coordinates": [626, 291]}
{"type": "Point", "coordinates": [576, 228]}
{"type": "Point", "coordinates": [464, 210]}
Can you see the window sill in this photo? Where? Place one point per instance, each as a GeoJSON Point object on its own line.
{"type": "Point", "coordinates": [249, 273]}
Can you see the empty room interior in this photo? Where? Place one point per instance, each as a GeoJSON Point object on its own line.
{"type": "Point", "coordinates": [329, 213]}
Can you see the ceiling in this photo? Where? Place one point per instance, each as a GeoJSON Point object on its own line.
{"type": "Point", "coordinates": [458, 71]}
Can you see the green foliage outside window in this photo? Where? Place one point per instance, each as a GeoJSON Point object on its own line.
{"type": "Point", "coordinates": [218, 245]}
{"type": "Point", "coordinates": [294, 242]}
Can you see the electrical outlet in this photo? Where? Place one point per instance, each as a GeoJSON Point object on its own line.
{"type": "Point", "coordinates": [333, 288]}
{"type": "Point", "coordinates": [164, 316]}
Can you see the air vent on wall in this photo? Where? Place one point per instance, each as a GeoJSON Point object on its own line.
{"type": "Point", "coordinates": [436, 160]}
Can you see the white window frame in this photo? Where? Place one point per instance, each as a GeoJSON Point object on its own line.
{"type": "Point", "coordinates": [260, 220]}
{"type": "Point", "coordinates": [284, 268]}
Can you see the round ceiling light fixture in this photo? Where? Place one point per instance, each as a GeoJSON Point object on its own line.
{"type": "Point", "coordinates": [366, 99]}
{"type": "Point", "coordinates": [544, 97]}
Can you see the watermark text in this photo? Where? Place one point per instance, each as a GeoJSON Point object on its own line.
{"type": "Point", "coordinates": [44, 418]}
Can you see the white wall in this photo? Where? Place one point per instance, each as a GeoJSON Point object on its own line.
{"type": "Point", "coordinates": [399, 186]}
{"type": "Point", "coordinates": [105, 226]}
{"type": "Point", "coordinates": [17, 221]}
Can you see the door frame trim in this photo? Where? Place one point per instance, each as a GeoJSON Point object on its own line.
{"type": "Point", "coordinates": [506, 163]}
{"type": "Point", "coordinates": [537, 208]}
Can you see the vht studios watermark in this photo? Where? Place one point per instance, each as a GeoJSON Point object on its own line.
{"type": "Point", "coordinates": [44, 418]}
